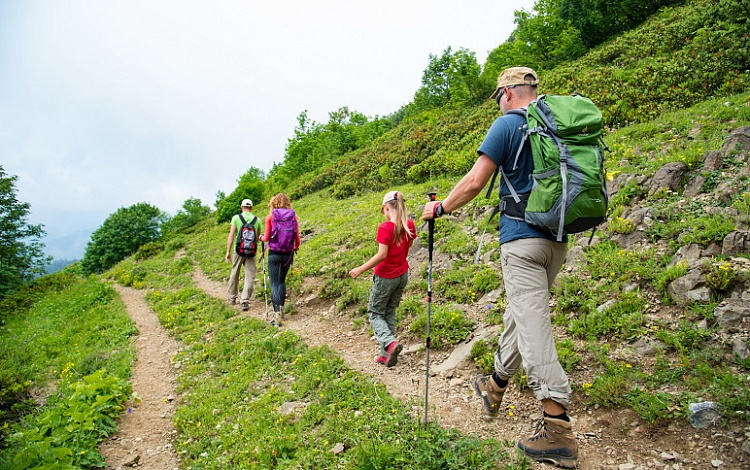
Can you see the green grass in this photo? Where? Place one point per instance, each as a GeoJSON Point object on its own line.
{"type": "Point", "coordinates": [73, 346]}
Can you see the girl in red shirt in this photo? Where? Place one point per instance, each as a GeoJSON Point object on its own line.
{"type": "Point", "coordinates": [391, 274]}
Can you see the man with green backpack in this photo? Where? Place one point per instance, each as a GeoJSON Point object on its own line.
{"type": "Point", "coordinates": [533, 252]}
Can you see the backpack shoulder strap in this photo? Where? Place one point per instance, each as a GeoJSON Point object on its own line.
{"type": "Point", "coordinates": [520, 112]}
{"type": "Point", "coordinates": [242, 219]}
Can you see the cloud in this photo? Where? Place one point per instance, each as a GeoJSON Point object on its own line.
{"type": "Point", "coordinates": [106, 104]}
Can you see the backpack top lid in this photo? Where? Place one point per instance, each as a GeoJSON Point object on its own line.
{"type": "Point", "coordinates": [568, 116]}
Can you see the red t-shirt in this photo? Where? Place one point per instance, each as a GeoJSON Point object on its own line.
{"type": "Point", "coordinates": [394, 264]}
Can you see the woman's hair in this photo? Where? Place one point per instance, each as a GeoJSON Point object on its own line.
{"type": "Point", "coordinates": [402, 226]}
{"type": "Point", "coordinates": [280, 201]}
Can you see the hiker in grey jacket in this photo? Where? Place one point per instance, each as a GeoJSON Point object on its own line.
{"type": "Point", "coordinates": [531, 259]}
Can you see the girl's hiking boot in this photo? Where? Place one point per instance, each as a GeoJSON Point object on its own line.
{"type": "Point", "coordinates": [381, 359]}
{"type": "Point", "coordinates": [393, 351]}
{"type": "Point", "coordinates": [553, 441]}
{"type": "Point", "coordinates": [491, 395]}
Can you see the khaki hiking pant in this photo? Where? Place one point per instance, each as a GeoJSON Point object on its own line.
{"type": "Point", "coordinates": [234, 277]}
{"type": "Point", "coordinates": [530, 266]}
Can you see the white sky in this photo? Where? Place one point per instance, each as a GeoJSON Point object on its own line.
{"type": "Point", "coordinates": [104, 104]}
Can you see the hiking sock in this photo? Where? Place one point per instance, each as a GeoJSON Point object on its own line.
{"type": "Point", "coordinates": [563, 416]}
{"type": "Point", "coordinates": [500, 382]}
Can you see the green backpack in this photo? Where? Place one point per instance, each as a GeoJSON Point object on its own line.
{"type": "Point", "coordinates": [569, 193]}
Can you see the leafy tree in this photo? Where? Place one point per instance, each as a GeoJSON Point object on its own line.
{"type": "Point", "coordinates": [542, 40]}
{"type": "Point", "coordinates": [316, 145]}
{"type": "Point", "coordinates": [121, 234]}
{"type": "Point", "coordinates": [453, 78]}
{"type": "Point", "coordinates": [21, 250]}
{"type": "Point", "coordinates": [191, 213]}
{"type": "Point", "coordinates": [599, 20]}
{"type": "Point", "coordinates": [250, 186]}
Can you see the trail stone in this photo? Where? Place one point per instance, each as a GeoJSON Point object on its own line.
{"type": "Point", "coordinates": [338, 448]}
{"type": "Point", "coordinates": [131, 460]}
{"type": "Point", "coordinates": [461, 354]}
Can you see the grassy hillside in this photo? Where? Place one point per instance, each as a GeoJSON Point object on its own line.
{"type": "Point", "coordinates": [678, 58]}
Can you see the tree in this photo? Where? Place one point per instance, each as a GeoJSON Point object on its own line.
{"type": "Point", "coordinates": [599, 20]}
{"type": "Point", "coordinates": [121, 234]}
{"type": "Point", "coordinates": [21, 250]}
{"type": "Point", "coordinates": [453, 78]}
{"type": "Point", "coordinates": [542, 40]}
{"type": "Point", "coordinates": [249, 186]}
{"type": "Point", "coordinates": [191, 213]}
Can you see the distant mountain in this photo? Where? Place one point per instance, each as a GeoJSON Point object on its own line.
{"type": "Point", "coordinates": [68, 247]}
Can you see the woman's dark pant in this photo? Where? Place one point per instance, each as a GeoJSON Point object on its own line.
{"type": "Point", "coordinates": [278, 267]}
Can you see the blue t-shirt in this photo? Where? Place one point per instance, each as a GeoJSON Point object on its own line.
{"type": "Point", "coordinates": [501, 145]}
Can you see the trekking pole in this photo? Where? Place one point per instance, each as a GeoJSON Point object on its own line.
{"type": "Point", "coordinates": [430, 239]}
{"type": "Point", "coordinates": [263, 265]}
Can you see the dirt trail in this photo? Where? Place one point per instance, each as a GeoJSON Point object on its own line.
{"type": "Point", "coordinates": [146, 432]}
{"type": "Point", "coordinates": [607, 439]}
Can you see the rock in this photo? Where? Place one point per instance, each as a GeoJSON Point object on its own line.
{"type": "Point", "coordinates": [290, 407]}
{"type": "Point", "coordinates": [733, 315]}
{"type": "Point", "coordinates": [669, 176]}
{"type": "Point", "coordinates": [690, 287]}
{"type": "Point", "coordinates": [740, 349]}
{"type": "Point", "coordinates": [694, 186]}
{"type": "Point", "coordinates": [492, 296]}
{"type": "Point", "coordinates": [738, 139]}
{"type": "Point", "coordinates": [575, 257]}
{"type": "Point", "coordinates": [131, 460]}
{"type": "Point", "coordinates": [713, 160]}
{"type": "Point", "coordinates": [689, 253]}
{"type": "Point", "coordinates": [666, 456]}
{"type": "Point", "coordinates": [461, 354]}
{"type": "Point", "coordinates": [338, 448]}
{"type": "Point", "coordinates": [703, 414]}
{"type": "Point", "coordinates": [736, 243]}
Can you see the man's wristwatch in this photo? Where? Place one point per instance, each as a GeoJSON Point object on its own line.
{"type": "Point", "coordinates": [439, 211]}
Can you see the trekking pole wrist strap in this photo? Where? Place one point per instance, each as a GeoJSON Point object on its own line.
{"type": "Point", "coordinates": [437, 210]}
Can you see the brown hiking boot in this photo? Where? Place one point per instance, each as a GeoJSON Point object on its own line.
{"type": "Point", "coordinates": [491, 394]}
{"type": "Point", "coordinates": [553, 441]}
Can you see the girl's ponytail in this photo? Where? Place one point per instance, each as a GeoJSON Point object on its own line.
{"type": "Point", "coordinates": [401, 225]}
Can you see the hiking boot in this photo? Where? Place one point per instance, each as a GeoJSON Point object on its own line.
{"type": "Point", "coordinates": [381, 359]}
{"type": "Point", "coordinates": [276, 319]}
{"type": "Point", "coordinates": [491, 394]}
{"type": "Point", "coordinates": [393, 351]}
{"type": "Point", "coordinates": [232, 301]}
{"type": "Point", "coordinates": [553, 441]}
{"type": "Point", "coordinates": [245, 307]}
